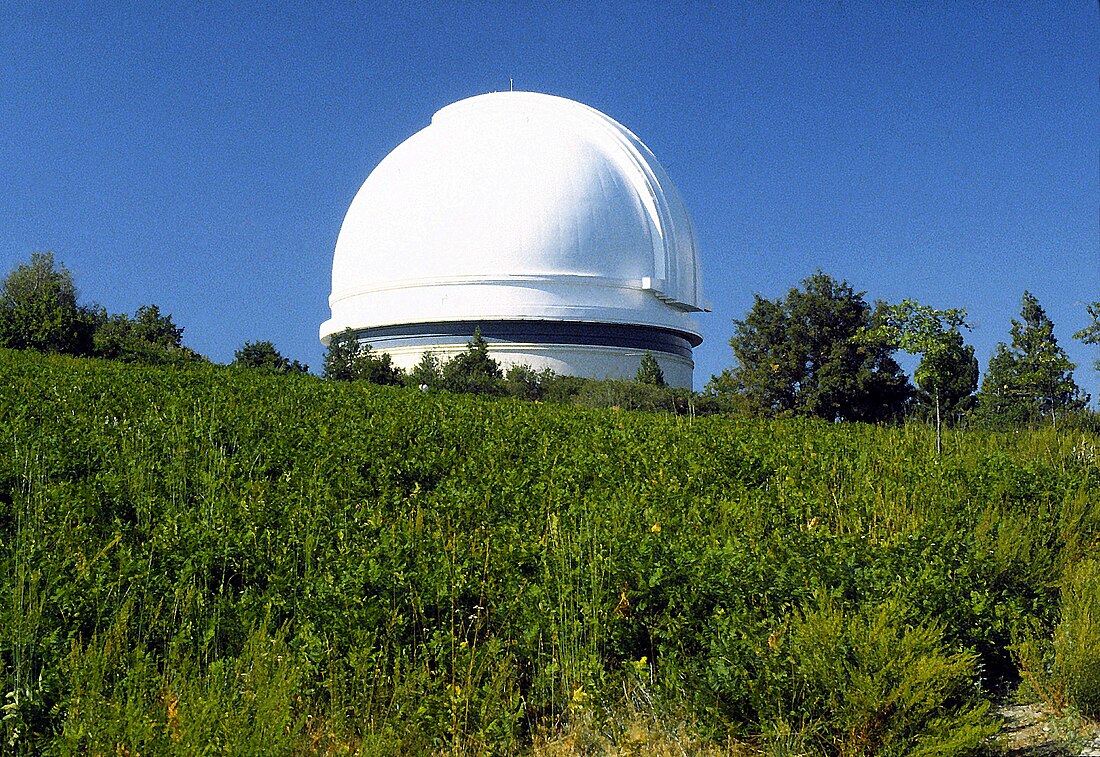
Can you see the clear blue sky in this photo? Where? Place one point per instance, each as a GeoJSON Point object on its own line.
{"type": "Point", "coordinates": [202, 157]}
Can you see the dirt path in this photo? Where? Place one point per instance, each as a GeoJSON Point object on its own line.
{"type": "Point", "coordinates": [1031, 731]}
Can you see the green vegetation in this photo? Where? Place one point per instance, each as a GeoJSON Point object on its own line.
{"type": "Point", "coordinates": [198, 559]}
{"type": "Point", "coordinates": [1077, 637]}
{"type": "Point", "coordinates": [149, 337]}
{"type": "Point", "coordinates": [649, 371]}
{"type": "Point", "coordinates": [348, 359]}
{"type": "Point", "coordinates": [1031, 379]}
{"type": "Point", "coordinates": [1091, 333]}
{"type": "Point", "coordinates": [948, 372]}
{"type": "Point", "coordinates": [800, 355]}
{"type": "Point", "coordinates": [472, 371]}
{"type": "Point", "coordinates": [263, 356]}
{"type": "Point", "coordinates": [39, 311]}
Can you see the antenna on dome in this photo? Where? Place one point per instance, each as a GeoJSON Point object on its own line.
{"type": "Point", "coordinates": [509, 83]}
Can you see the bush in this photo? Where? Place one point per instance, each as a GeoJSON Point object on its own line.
{"type": "Point", "coordinates": [526, 383]}
{"type": "Point", "coordinates": [149, 337]}
{"type": "Point", "coordinates": [872, 681]}
{"type": "Point", "coordinates": [635, 395]}
{"type": "Point", "coordinates": [1077, 638]}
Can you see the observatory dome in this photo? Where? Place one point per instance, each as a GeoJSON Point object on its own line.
{"type": "Point", "coordinates": [539, 220]}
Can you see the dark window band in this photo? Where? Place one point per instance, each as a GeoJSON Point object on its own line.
{"type": "Point", "coordinates": [533, 332]}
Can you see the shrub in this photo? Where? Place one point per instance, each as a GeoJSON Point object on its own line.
{"type": "Point", "coordinates": [428, 372]}
{"type": "Point", "coordinates": [1077, 638]}
{"type": "Point", "coordinates": [526, 383]}
{"type": "Point", "coordinates": [872, 681]}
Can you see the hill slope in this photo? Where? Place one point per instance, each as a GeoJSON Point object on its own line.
{"type": "Point", "coordinates": [277, 564]}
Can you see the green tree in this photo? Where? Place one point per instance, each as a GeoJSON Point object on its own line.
{"type": "Point", "coordinates": [348, 359]}
{"type": "Point", "coordinates": [473, 370]}
{"type": "Point", "coordinates": [948, 371]}
{"type": "Point", "coordinates": [1091, 333]}
{"type": "Point", "coordinates": [799, 355]}
{"type": "Point", "coordinates": [525, 382]}
{"type": "Point", "coordinates": [428, 373]}
{"type": "Point", "coordinates": [1031, 379]}
{"type": "Point", "coordinates": [263, 356]}
{"type": "Point", "coordinates": [649, 371]}
{"type": "Point", "coordinates": [39, 309]}
{"type": "Point", "coordinates": [149, 337]}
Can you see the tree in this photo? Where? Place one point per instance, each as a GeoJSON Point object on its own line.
{"type": "Point", "coordinates": [348, 359]}
{"type": "Point", "coordinates": [39, 310]}
{"type": "Point", "coordinates": [799, 355]}
{"type": "Point", "coordinates": [649, 372]}
{"type": "Point", "coordinates": [264, 357]}
{"type": "Point", "coordinates": [1091, 333]}
{"type": "Point", "coordinates": [149, 337]}
{"type": "Point", "coordinates": [472, 370]}
{"type": "Point", "coordinates": [525, 382]}
{"type": "Point", "coordinates": [428, 373]}
{"type": "Point", "coordinates": [948, 370]}
{"type": "Point", "coordinates": [1032, 378]}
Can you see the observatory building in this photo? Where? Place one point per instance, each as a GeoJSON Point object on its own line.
{"type": "Point", "coordinates": [536, 219]}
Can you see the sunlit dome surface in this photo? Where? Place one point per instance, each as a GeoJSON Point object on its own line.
{"type": "Point", "coordinates": [518, 207]}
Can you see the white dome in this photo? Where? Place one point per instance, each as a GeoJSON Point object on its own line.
{"type": "Point", "coordinates": [517, 206]}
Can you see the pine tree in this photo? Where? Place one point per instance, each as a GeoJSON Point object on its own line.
{"type": "Point", "coordinates": [800, 355]}
{"type": "Point", "coordinates": [473, 370]}
{"type": "Point", "coordinates": [1091, 333]}
{"type": "Point", "coordinates": [649, 372]}
{"type": "Point", "coordinates": [1033, 378]}
{"type": "Point", "coordinates": [428, 373]}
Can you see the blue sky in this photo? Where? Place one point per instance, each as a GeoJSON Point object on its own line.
{"type": "Point", "coordinates": [202, 157]}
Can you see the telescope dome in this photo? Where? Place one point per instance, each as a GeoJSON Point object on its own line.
{"type": "Point", "coordinates": [539, 221]}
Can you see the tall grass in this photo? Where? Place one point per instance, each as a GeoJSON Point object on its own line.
{"type": "Point", "coordinates": [275, 564]}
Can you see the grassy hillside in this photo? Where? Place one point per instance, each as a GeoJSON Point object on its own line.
{"type": "Point", "coordinates": [203, 560]}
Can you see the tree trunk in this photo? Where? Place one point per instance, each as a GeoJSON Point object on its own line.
{"type": "Point", "coordinates": [939, 443]}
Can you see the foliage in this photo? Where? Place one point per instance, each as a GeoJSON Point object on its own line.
{"type": "Point", "coordinates": [201, 555]}
{"type": "Point", "coordinates": [873, 680]}
{"type": "Point", "coordinates": [1091, 333]}
{"type": "Point", "coordinates": [428, 373]}
{"type": "Point", "coordinates": [1077, 638]}
{"type": "Point", "coordinates": [526, 383]}
{"type": "Point", "coordinates": [1033, 378]}
{"type": "Point", "coordinates": [473, 371]}
{"type": "Point", "coordinates": [348, 359]}
{"type": "Point", "coordinates": [263, 356]}
{"type": "Point", "coordinates": [148, 337]}
{"type": "Point", "coordinates": [799, 355]}
{"type": "Point", "coordinates": [634, 395]}
{"type": "Point", "coordinates": [39, 309]}
{"type": "Point", "coordinates": [948, 371]}
{"type": "Point", "coordinates": [649, 372]}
